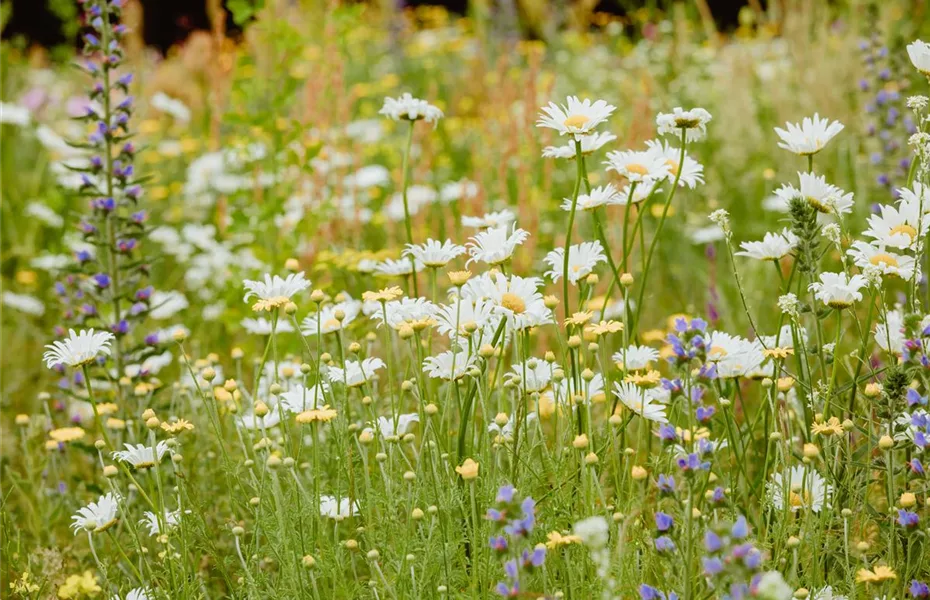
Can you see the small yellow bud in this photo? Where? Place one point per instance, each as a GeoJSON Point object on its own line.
{"type": "Point", "coordinates": [110, 471]}
{"type": "Point", "coordinates": [626, 280]}
{"type": "Point", "coordinates": [907, 500]}
{"type": "Point", "coordinates": [308, 561]}
{"type": "Point", "coordinates": [237, 353]}
{"type": "Point", "coordinates": [639, 473]}
{"type": "Point", "coordinates": [886, 443]}
{"type": "Point", "coordinates": [811, 451]}
{"type": "Point", "coordinates": [292, 264]}
{"type": "Point", "coordinates": [580, 442]}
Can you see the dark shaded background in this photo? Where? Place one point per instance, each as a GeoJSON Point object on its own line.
{"type": "Point", "coordinates": [168, 22]}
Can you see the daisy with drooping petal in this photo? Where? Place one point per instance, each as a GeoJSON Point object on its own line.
{"type": "Point", "coordinates": [919, 53]}
{"type": "Point", "coordinates": [495, 245]}
{"type": "Point", "coordinates": [799, 488]}
{"type": "Point", "coordinates": [448, 365]}
{"type": "Point", "coordinates": [410, 109]}
{"type": "Point", "coordinates": [141, 456]}
{"type": "Point", "coordinates": [887, 263]}
{"type": "Point", "coordinates": [774, 246]}
{"type": "Point", "coordinates": [810, 136]}
{"type": "Point", "coordinates": [589, 144]}
{"type": "Point", "coordinates": [693, 121]}
{"type": "Point", "coordinates": [826, 198]}
{"type": "Point", "coordinates": [274, 292]}
{"type": "Point", "coordinates": [635, 358]}
{"type": "Point", "coordinates": [640, 401]}
{"type": "Point", "coordinates": [97, 516]}
{"type": "Point", "coordinates": [433, 253]}
{"type": "Point", "coordinates": [78, 349]}
{"type": "Point", "coordinates": [262, 326]}
{"type": "Point", "coordinates": [638, 165]}
{"type": "Point", "coordinates": [899, 227]}
{"type": "Point", "coordinates": [599, 196]}
{"type": "Point", "coordinates": [836, 290]}
{"type": "Point", "coordinates": [150, 521]}
{"type": "Point", "coordinates": [582, 258]}
{"type": "Point", "coordinates": [355, 373]}
{"type": "Point", "coordinates": [576, 117]}
{"type": "Point", "coordinates": [692, 172]}
{"type": "Point", "coordinates": [501, 218]}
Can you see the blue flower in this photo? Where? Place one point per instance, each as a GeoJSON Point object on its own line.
{"type": "Point", "coordinates": [664, 521]}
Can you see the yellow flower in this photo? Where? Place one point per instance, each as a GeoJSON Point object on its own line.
{"type": "Point", "coordinates": [66, 434]}
{"type": "Point", "coordinates": [78, 586]}
{"type": "Point", "coordinates": [107, 408]}
{"type": "Point", "coordinates": [459, 278]}
{"type": "Point", "coordinates": [178, 426]}
{"type": "Point", "coordinates": [879, 574]}
{"type": "Point", "coordinates": [322, 415]}
{"type": "Point", "coordinates": [777, 352]}
{"type": "Point", "coordinates": [468, 470]}
{"type": "Point", "coordinates": [114, 423]}
{"type": "Point", "coordinates": [579, 318]}
{"type": "Point", "coordinates": [831, 427]}
{"type": "Point", "coordinates": [24, 585]}
{"type": "Point", "coordinates": [554, 539]}
{"type": "Point", "coordinates": [605, 327]}
{"type": "Point", "coordinates": [269, 304]}
{"type": "Point", "coordinates": [383, 295]}
{"type": "Point", "coordinates": [646, 380]}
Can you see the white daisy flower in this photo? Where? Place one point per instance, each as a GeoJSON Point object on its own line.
{"type": "Point", "coordinates": [136, 594]}
{"type": "Point", "coordinates": [433, 253]}
{"type": "Point", "coordinates": [501, 218]}
{"type": "Point", "coordinates": [887, 263]}
{"type": "Point", "coordinates": [411, 109]}
{"type": "Point", "coordinates": [636, 194]}
{"type": "Point", "coordinates": [325, 321]}
{"type": "Point", "coordinates": [23, 303]}
{"type": "Point", "coordinates": [333, 509]}
{"type": "Point", "coordinates": [418, 196]}
{"type": "Point", "coordinates": [45, 214]}
{"type": "Point", "coordinates": [97, 516]}
{"type": "Point", "coordinates": [826, 198]}
{"type": "Point", "coordinates": [826, 593]}
{"type": "Point", "coordinates": [274, 292]}
{"type": "Point", "coordinates": [458, 190]}
{"type": "Point", "coordinates": [495, 245]}
{"type": "Point", "coordinates": [141, 456]}
{"type": "Point", "coordinates": [784, 338]}
{"type": "Point", "coordinates": [799, 488]}
{"type": "Point", "coordinates": [589, 144]}
{"type": "Point", "coordinates": [919, 53]}
{"type": "Point", "coordinates": [899, 227]}
{"type": "Point", "coordinates": [367, 177]}
{"type": "Point", "coordinates": [167, 304]}
{"type": "Point", "coordinates": [448, 365]}
{"type": "Point", "coordinates": [355, 373]}
{"type": "Point", "coordinates": [774, 246]}
{"type": "Point", "coordinates": [590, 391]}
{"type": "Point", "coordinates": [298, 399]}
{"type": "Point", "coordinates": [837, 290]}
{"type": "Point", "coordinates": [576, 117]}
{"type": "Point", "coordinates": [253, 422]}
{"type": "Point", "coordinates": [390, 267]}
{"type": "Point", "coordinates": [51, 262]}
{"type": "Point", "coordinates": [599, 196]}
{"type": "Point", "coordinates": [918, 195]}
{"type": "Point", "coordinates": [516, 298]}
{"type": "Point", "coordinates": [405, 311]}
{"type": "Point", "coordinates": [171, 106]}
{"type": "Point", "coordinates": [810, 136]}
{"type": "Point", "coordinates": [582, 258]}
{"type": "Point", "coordinates": [635, 358]}
{"type": "Point", "coordinates": [692, 172]}
{"type": "Point", "coordinates": [454, 319]}
{"type": "Point", "coordinates": [387, 428]}
{"type": "Point", "coordinates": [890, 335]}
{"type": "Point", "coordinates": [538, 374]}
{"type": "Point", "coordinates": [693, 122]}
{"type": "Point", "coordinates": [638, 165]}
{"type": "Point", "coordinates": [13, 114]}
{"type": "Point", "coordinates": [640, 401]}
{"type": "Point", "coordinates": [78, 349]}
{"type": "Point", "coordinates": [262, 326]}
{"type": "Point", "coordinates": [150, 521]}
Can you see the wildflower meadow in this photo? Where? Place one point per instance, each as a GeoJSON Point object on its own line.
{"type": "Point", "coordinates": [363, 303]}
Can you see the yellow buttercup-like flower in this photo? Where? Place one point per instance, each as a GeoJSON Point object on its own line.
{"type": "Point", "coordinates": [66, 434]}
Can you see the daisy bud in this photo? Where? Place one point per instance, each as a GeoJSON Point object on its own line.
{"type": "Point", "coordinates": [273, 462]}
{"type": "Point", "coordinates": [872, 390]}
{"type": "Point", "coordinates": [550, 302]}
{"type": "Point", "coordinates": [405, 331]}
{"type": "Point", "coordinates": [261, 409]}
{"type": "Point", "coordinates": [416, 514]}
{"type": "Point", "coordinates": [147, 414]}
{"type": "Point", "coordinates": [110, 471]}
{"type": "Point", "coordinates": [351, 545]}
{"type": "Point", "coordinates": [615, 420]}
{"type": "Point", "coordinates": [590, 459]}
{"type": "Point", "coordinates": [593, 346]}
{"type": "Point", "coordinates": [441, 590]}
{"type": "Point", "coordinates": [381, 457]}
{"type": "Point", "coordinates": [230, 385]}
{"type": "Point", "coordinates": [275, 388]}
{"type": "Point", "coordinates": [811, 451]}
{"type": "Point", "coordinates": [409, 476]}
{"type": "Point", "coordinates": [724, 402]}
{"type": "Point", "coordinates": [574, 341]}
{"type": "Point", "coordinates": [501, 419]}
{"type": "Point", "coordinates": [580, 442]}
{"type": "Point", "coordinates": [238, 531]}
{"type": "Point", "coordinates": [885, 442]}
{"type": "Point", "coordinates": [317, 296]}
{"type": "Point", "coordinates": [355, 347]}
{"type": "Point", "coordinates": [629, 451]}
{"type": "Point", "coordinates": [326, 357]}
{"type": "Point", "coordinates": [626, 280]}
{"type": "Point", "coordinates": [550, 356]}
{"type": "Point", "coordinates": [308, 561]}
{"type": "Point", "coordinates": [248, 463]}
{"type": "Point", "coordinates": [289, 462]}
{"type": "Point", "coordinates": [846, 513]}
{"type": "Point", "coordinates": [431, 409]}
{"type": "Point", "coordinates": [432, 509]}
{"type": "Point", "coordinates": [237, 353]}
{"type": "Point", "coordinates": [305, 368]}
{"type": "Point", "coordinates": [292, 264]}
{"type": "Point", "coordinates": [767, 382]}
{"type": "Point", "coordinates": [290, 308]}
{"type": "Point", "coordinates": [578, 399]}
{"type": "Point", "coordinates": [863, 546]}
{"type": "Point", "coordinates": [592, 279]}
{"type": "Point", "coordinates": [176, 458]}
{"type": "Point", "coordinates": [152, 423]}
{"type": "Point", "coordinates": [179, 335]}
{"type": "Point", "coordinates": [409, 438]}
{"type": "Point", "coordinates": [793, 542]}
{"type": "Point", "coordinates": [44, 396]}
{"type": "Point", "coordinates": [801, 593]}
{"type": "Point", "coordinates": [255, 500]}
{"type": "Point", "coordinates": [221, 394]}
{"type": "Point", "coordinates": [848, 425]}
{"type": "Point", "coordinates": [373, 555]}
{"type": "Point", "coordinates": [907, 500]}
{"type": "Point", "coordinates": [587, 374]}
{"type": "Point", "coordinates": [638, 473]}
{"type": "Point", "coordinates": [406, 385]}
{"type": "Point", "coordinates": [775, 436]}
{"type": "Point", "coordinates": [208, 374]}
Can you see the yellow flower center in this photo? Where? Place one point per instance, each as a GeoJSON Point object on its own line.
{"type": "Point", "coordinates": [575, 121]}
{"type": "Point", "coordinates": [796, 499]}
{"type": "Point", "coordinates": [331, 324]}
{"type": "Point", "coordinates": [884, 258]}
{"type": "Point", "coordinates": [672, 166]}
{"type": "Point", "coordinates": [905, 229]}
{"type": "Point", "coordinates": [637, 168]}
{"type": "Point", "coordinates": [717, 352]}
{"type": "Point", "coordinates": [513, 303]}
